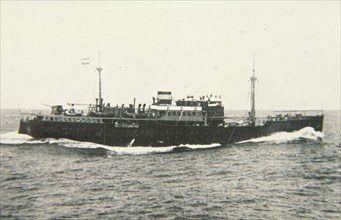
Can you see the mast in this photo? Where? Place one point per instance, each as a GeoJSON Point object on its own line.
{"type": "Point", "coordinates": [99, 69]}
{"type": "Point", "coordinates": [253, 101]}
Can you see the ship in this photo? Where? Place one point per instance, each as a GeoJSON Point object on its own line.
{"type": "Point", "coordinates": [165, 122]}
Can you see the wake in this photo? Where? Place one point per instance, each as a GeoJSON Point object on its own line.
{"type": "Point", "coordinates": [14, 138]}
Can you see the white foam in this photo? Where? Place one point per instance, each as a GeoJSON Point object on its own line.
{"type": "Point", "coordinates": [140, 150]}
{"type": "Point", "coordinates": [307, 133]}
{"type": "Point", "coordinates": [74, 144]}
{"type": "Point", "coordinates": [15, 138]}
{"type": "Point", "coordinates": [129, 150]}
{"type": "Point", "coordinates": [136, 150]}
{"type": "Point", "coordinates": [202, 146]}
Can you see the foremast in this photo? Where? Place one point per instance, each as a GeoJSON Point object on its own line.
{"type": "Point", "coordinates": [99, 101]}
{"type": "Point", "coordinates": [252, 113]}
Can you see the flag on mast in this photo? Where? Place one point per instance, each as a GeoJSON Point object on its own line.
{"type": "Point", "coordinates": [85, 61]}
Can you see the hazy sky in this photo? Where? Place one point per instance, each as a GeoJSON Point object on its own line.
{"type": "Point", "coordinates": [189, 48]}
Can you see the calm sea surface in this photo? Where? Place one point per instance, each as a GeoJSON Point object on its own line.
{"type": "Point", "coordinates": [283, 176]}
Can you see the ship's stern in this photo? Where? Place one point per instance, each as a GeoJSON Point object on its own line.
{"type": "Point", "coordinates": [24, 126]}
{"type": "Point", "coordinates": [28, 125]}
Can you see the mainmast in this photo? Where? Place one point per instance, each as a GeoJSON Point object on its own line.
{"type": "Point", "coordinates": [100, 100]}
{"type": "Point", "coordinates": [253, 102]}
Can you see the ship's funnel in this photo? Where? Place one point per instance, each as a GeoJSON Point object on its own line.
{"type": "Point", "coordinates": [164, 98]}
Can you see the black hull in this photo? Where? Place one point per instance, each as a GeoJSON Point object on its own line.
{"type": "Point", "coordinates": [160, 135]}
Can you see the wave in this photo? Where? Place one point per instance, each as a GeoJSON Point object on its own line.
{"type": "Point", "coordinates": [133, 150]}
{"type": "Point", "coordinates": [307, 133]}
{"type": "Point", "coordinates": [13, 138]}
{"type": "Point", "coordinates": [140, 150]}
{"type": "Point", "coordinates": [130, 150]}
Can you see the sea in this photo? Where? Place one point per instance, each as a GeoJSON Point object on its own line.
{"type": "Point", "coordinates": [292, 175]}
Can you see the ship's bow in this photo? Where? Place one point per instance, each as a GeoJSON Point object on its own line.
{"type": "Point", "coordinates": [317, 122]}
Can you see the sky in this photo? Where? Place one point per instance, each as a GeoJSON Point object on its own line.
{"type": "Point", "coordinates": [189, 48]}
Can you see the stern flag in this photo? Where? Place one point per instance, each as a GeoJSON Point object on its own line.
{"type": "Point", "coordinates": [85, 61]}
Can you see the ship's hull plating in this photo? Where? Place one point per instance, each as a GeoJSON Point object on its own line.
{"type": "Point", "coordinates": [159, 135]}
